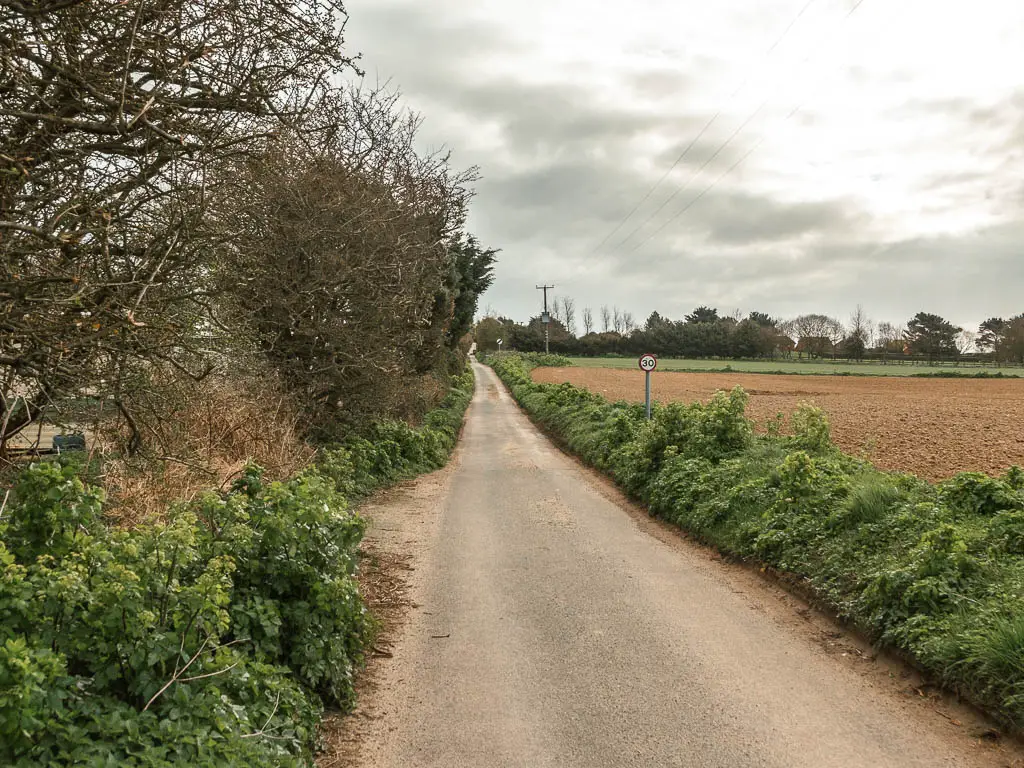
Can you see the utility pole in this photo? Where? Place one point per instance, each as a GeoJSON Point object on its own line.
{"type": "Point", "coordinates": [545, 317]}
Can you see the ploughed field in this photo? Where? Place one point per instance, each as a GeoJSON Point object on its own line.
{"type": "Point", "coordinates": [933, 428]}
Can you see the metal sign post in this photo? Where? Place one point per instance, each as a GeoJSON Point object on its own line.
{"type": "Point", "coordinates": [647, 364]}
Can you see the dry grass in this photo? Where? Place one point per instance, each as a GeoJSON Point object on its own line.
{"type": "Point", "coordinates": [417, 396]}
{"type": "Point", "coordinates": [203, 443]}
{"type": "Point", "coordinates": [197, 437]}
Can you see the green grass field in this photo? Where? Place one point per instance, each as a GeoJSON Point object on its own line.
{"type": "Point", "coordinates": [808, 367]}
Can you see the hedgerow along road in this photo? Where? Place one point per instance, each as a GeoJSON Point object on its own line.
{"type": "Point", "coordinates": [554, 625]}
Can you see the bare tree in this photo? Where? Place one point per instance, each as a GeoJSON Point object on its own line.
{"type": "Point", "coordinates": [347, 259]}
{"type": "Point", "coordinates": [862, 325]}
{"type": "Point", "coordinates": [617, 319]}
{"type": "Point", "coordinates": [606, 318]}
{"type": "Point", "coordinates": [555, 309]}
{"type": "Point", "coordinates": [628, 323]}
{"type": "Point", "coordinates": [115, 120]}
{"type": "Point", "coordinates": [859, 338]}
{"type": "Point", "coordinates": [835, 332]}
{"type": "Point", "coordinates": [890, 336]}
{"type": "Point", "coordinates": [588, 321]}
{"type": "Point", "coordinates": [815, 334]}
{"type": "Point", "coordinates": [569, 314]}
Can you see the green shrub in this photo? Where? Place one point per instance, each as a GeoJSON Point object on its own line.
{"type": "Point", "coordinates": [937, 571]}
{"type": "Point", "coordinates": [811, 429]}
{"type": "Point", "coordinates": [714, 432]}
{"type": "Point", "coordinates": [1014, 478]}
{"type": "Point", "coordinates": [680, 487]}
{"type": "Point", "coordinates": [1006, 531]}
{"type": "Point", "coordinates": [294, 599]}
{"type": "Point", "coordinates": [929, 583]}
{"type": "Point", "coordinates": [974, 493]}
{"type": "Point", "coordinates": [99, 636]}
{"type": "Point", "coordinates": [994, 655]}
{"type": "Point", "coordinates": [210, 639]}
{"type": "Point", "coordinates": [540, 360]}
{"type": "Point", "coordinates": [58, 512]}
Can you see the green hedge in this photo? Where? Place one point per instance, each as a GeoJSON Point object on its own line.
{"type": "Point", "coordinates": [936, 571]}
{"type": "Point", "coordinates": [534, 359]}
{"type": "Point", "coordinates": [214, 638]}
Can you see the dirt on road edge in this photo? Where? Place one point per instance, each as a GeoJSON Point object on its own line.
{"type": "Point", "coordinates": [402, 523]}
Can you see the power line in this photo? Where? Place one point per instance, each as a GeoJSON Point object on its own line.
{"type": "Point", "coordinates": [698, 137]}
{"type": "Point", "coordinates": [697, 173]}
{"type": "Point", "coordinates": [710, 159]}
{"type": "Point", "coordinates": [731, 168]}
{"type": "Point", "coordinates": [693, 202]}
{"type": "Point", "coordinates": [721, 148]}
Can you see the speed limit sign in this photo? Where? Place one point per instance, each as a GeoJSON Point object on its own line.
{"type": "Point", "coordinates": [648, 363]}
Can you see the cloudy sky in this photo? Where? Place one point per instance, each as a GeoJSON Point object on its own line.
{"type": "Point", "coordinates": [812, 154]}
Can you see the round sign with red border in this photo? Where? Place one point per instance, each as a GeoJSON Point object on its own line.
{"type": "Point", "coordinates": [648, 362]}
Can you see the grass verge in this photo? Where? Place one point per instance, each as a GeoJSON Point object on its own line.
{"type": "Point", "coordinates": [935, 571]}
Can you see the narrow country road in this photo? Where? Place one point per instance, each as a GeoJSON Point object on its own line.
{"type": "Point", "coordinates": [552, 628]}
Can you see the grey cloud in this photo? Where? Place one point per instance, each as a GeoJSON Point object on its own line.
{"type": "Point", "coordinates": [952, 179]}
{"type": "Point", "coordinates": [947, 275]}
{"type": "Point", "coordinates": [559, 118]}
{"type": "Point", "coordinates": [416, 47]}
{"type": "Point", "coordinates": [560, 202]}
{"type": "Point", "coordinates": [437, 64]}
{"type": "Point", "coordinates": [566, 173]}
{"type": "Point", "coordinates": [660, 83]}
{"type": "Point", "coordinates": [1010, 110]}
{"type": "Point", "coordinates": [710, 155]}
{"type": "Point", "coordinates": [996, 128]}
{"type": "Point", "coordinates": [739, 218]}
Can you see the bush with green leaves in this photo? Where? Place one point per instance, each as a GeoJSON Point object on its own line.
{"type": "Point", "coordinates": [119, 646]}
{"type": "Point", "coordinates": [532, 359]}
{"type": "Point", "coordinates": [934, 570]}
{"type": "Point", "coordinates": [974, 493]}
{"type": "Point", "coordinates": [391, 451]}
{"type": "Point", "coordinates": [212, 638]}
{"type": "Point", "coordinates": [811, 429]}
{"type": "Point", "coordinates": [540, 359]}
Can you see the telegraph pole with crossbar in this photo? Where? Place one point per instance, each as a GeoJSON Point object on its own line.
{"type": "Point", "coordinates": [545, 317]}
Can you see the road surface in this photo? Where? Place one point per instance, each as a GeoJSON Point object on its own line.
{"type": "Point", "coordinates": [554, 626]}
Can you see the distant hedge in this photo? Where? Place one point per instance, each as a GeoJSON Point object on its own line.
{"type": "Point", "coordinates": [936, 571]}
{"type": "Point", "coordinates": [213, 638]}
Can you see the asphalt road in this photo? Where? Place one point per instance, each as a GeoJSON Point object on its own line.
{"type": "Point", "coordinates": [553, 628]}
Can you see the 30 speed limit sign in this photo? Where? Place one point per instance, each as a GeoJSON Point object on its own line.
{"type": "Point", "coordinates": [648, 363]}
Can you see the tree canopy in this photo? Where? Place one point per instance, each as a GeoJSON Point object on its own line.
{"type": "Point", "coordinates": [931, 335]}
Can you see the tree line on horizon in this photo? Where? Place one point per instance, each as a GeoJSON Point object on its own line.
{"type": "Point", "coordinates": [707, 333]}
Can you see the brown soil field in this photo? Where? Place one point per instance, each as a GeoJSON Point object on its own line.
{"type": "Point", "coordinates": [933, 428]}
